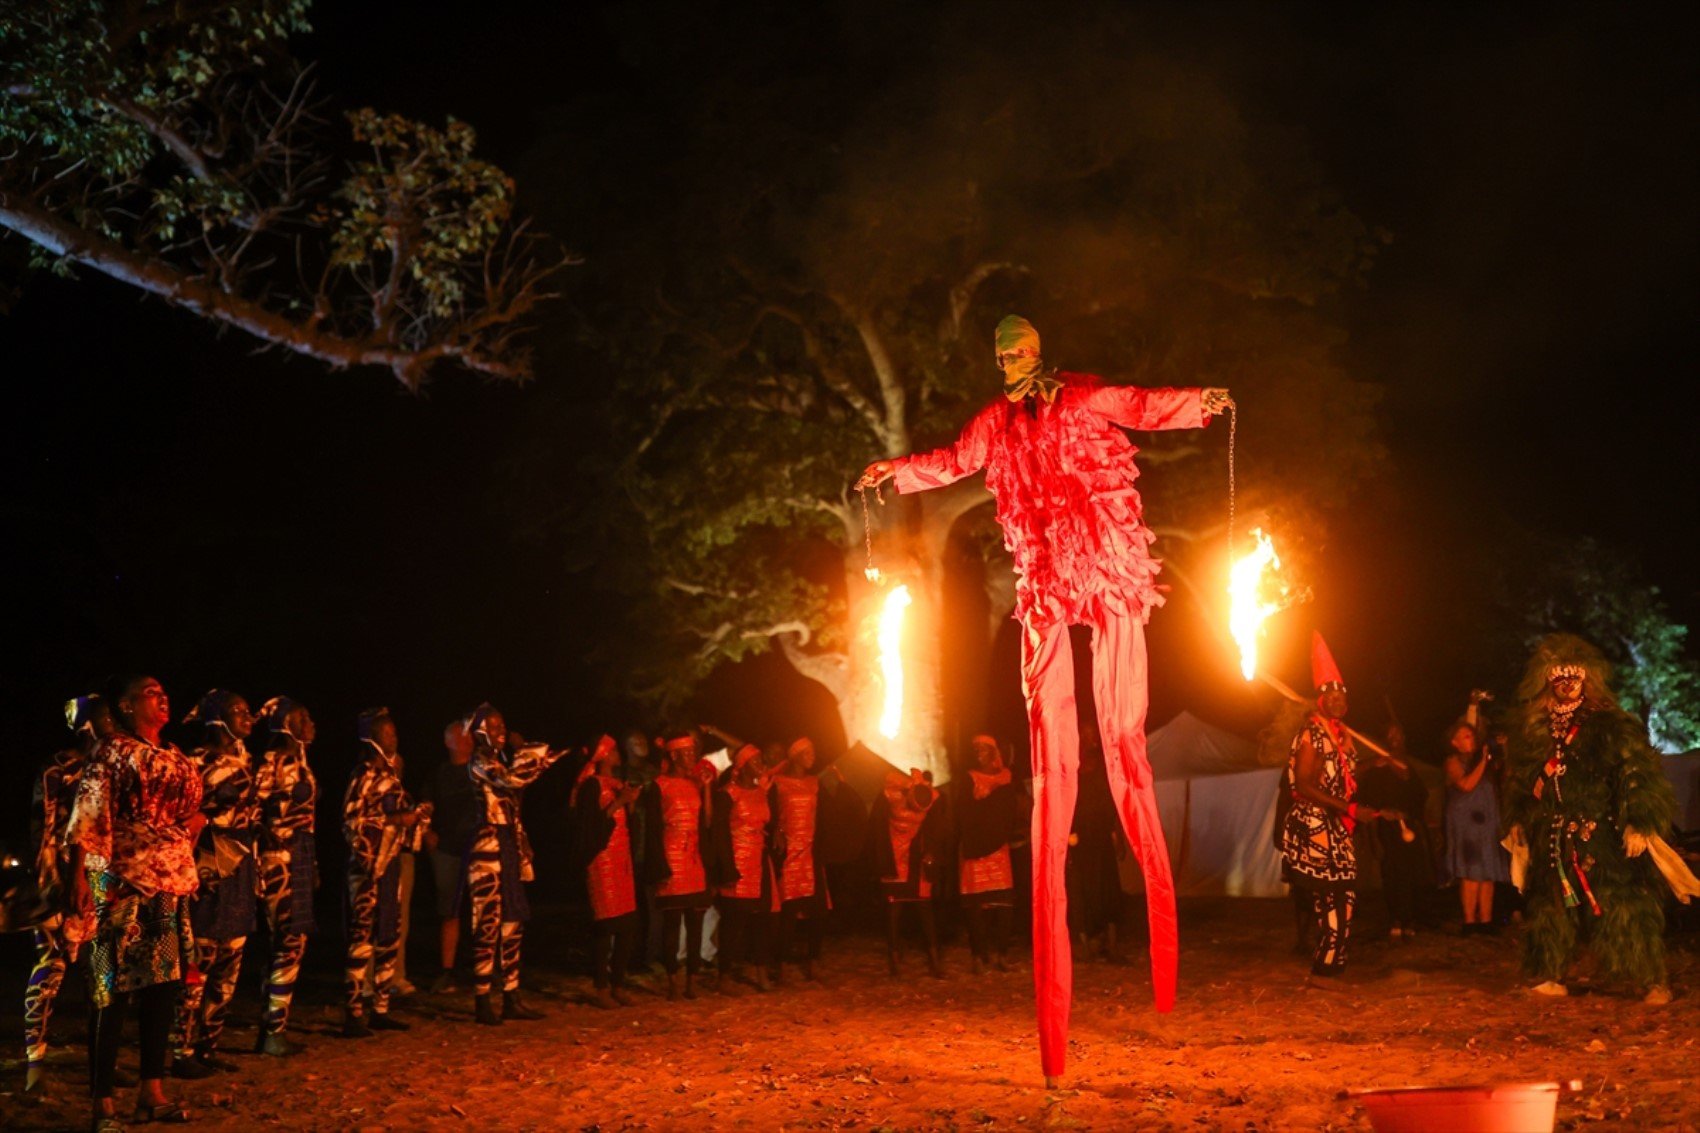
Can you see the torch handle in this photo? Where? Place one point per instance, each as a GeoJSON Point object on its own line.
{"type": "Point", "coordinates": [1281, 687]}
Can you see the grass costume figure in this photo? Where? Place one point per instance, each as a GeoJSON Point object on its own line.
{"type": "Point", "coordinates": [1586, 796]}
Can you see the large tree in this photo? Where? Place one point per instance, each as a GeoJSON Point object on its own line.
{"type": "Point", "coordinates": [175, 146]}
{"type": "Point", "coordinates": [823, 256]}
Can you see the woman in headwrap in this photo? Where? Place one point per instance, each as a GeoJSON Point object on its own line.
{"type": "Point", "coordinates": [742, 821]}
{"type": "Point", "coordinates": [287, 793]}
{"type": "Point", "coordinates": [679, 804]}
{"type": "Point", "coordinates": [602, 827]}
{"type": "Point", "coordinates": [907, 832]}
{"type": "Point", "coordinates": [378, 817]}
{"type": "Point", "coordinates": [499, 861]}
{"type": "Point", "coordinates": [55, 793]}
{"type": "Point", "coordinates": [223, 912]}
{"type": "Point", "coordinates": [988, 817]}
{"type": "Point", "coordinates": [802, 880]}
{"type": "Point", "coordinates": [132, 839]}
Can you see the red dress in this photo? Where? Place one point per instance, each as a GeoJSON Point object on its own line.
{"type": "Point", "coordinates": [1063, 476]}
{"type": "Point", "coordinates": [612, 893]}
{"type": "Point", "coordinates": [681, 842]}
{"type": "Point", "coordinates": [799, 801]}
{"type": "Point", "coordinates": [749, 817]}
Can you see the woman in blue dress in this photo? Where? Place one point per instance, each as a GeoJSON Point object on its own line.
{"type": "Point", "coordinates": [1474, 857]}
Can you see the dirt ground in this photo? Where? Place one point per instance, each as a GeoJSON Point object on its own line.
{"type": "Point", "coordinates": [1248, 1048]}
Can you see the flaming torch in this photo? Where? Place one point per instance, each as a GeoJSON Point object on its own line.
{"type": "Point", "coordinates": [1249, 580]}
{"type": "Point", "coordinates": [891, 659]}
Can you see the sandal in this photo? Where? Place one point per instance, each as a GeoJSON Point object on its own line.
{"type": "Point", "coordinates": [169, 1113]}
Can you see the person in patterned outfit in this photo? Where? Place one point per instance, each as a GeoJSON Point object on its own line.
{"type": "Point", "coordinates": [802, 878]}
{"type": "Point", "coordinates": [287, 792]}
{"type": "Point", "coordinates": [55, 792]}
{"type": "Point", "coordinates": [499, 862]}
{"type": "Point", "coordinates": [602, 806]}
{"type": "Point", "coordinates": [906, 829]}
{"type": "Point", "coordinates": [377, 818]}
{"type": "Point", "coordinates": [679, 804]}
{"type": "Point", "coordinates": [988, 817]}
{"type": "Point", "coordinates": [1059, 462]}
{"type": "Point", "coordinates": [1316, 841]}
{"type": "Point", "coordinates": [748, 898]}
{"type": "Point", "coordinates": [223, 912]}
{"type": "Point", "coordinates": [132, 840]}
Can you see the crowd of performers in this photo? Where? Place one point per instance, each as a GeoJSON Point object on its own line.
{"type": "Point", "coordinates": [156, 866]}
{"type": "Point", "coordinates": [1562, 805]}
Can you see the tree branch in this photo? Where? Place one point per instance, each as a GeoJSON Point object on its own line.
{"type": "Point", "coordinates": [198, 295]}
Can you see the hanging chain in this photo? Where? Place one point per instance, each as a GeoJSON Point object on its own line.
{"type": "Point", "coordinates": [1233, 436]}
{"type": "Point", "coordinates": [872, 572]}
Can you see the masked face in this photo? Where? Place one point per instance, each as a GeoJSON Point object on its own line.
{"type": "Point", "coordinates": [1565, 683]}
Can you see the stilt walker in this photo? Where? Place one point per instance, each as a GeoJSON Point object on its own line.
{"type": "Point", "coordinates": [1061, 467]}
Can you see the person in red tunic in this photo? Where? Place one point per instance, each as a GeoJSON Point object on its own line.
{"type": "Point", "coordinates": [1060, 465]}
{"type": "Point", "coordinates": [675, 867]}
{"type": "Point", "coordinates": [988, 817]}
{"type": "Point", "coordinates": [802, 882]}
{"type": "Point", "coordinates": [749, 898]}
{"type": "Point", "coordinates": [601, 803]}
{"type": "Point", "coordinates": [907, 830]}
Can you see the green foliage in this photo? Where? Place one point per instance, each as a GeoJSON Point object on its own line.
{"type": "Point", "coordinates": [177, 146]}
{"type": "Point", "coordinates": [1582, 587]}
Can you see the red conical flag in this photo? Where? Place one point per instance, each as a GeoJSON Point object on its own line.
{"type": "Point", "coordinates": [1323, 671]}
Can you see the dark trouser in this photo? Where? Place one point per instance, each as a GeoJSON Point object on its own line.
{"type": "Point", "coordinates": [611, 948]}
{"type": "Point", "coordinates": [155, 1007]}
{"type": "Point", "coordinates": [1333, 910]}
{"type": "Point", "coordinates": [988, 929]}
{"type": "Point", "coordinates": [1401, 872]}
{"type": "Point", "coordinates": [743, 936]}
{"type": "Point", "coordinates": [671, 920]}
{"type": "Point", "coordinates": [814, 926]}
{"type": "Point", "coordinates": [929, 928]}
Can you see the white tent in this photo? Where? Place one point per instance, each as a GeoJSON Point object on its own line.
{"type": "Point", "coordinates": [1683, 771]}
{"type": "Point", "coordinates": [1217, 806]}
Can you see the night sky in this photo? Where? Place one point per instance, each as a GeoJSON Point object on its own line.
{"type": "Point", "coordinates": [182, 504]}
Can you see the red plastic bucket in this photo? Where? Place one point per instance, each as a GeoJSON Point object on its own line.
{"type": "Point", "coordinates": [1527, 1107]}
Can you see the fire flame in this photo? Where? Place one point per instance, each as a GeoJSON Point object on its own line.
{"type": "Point", "coordinates": [1249, 608]}
{"type": "Point", "coordinates": [891, 659]}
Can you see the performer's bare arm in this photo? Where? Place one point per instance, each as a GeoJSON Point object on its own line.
{"type": "Point", "coordinates": [1308, 783]}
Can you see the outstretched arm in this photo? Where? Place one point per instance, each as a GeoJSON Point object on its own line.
{"type": "Point", "coordinates": [1150, 409]}
{"type": "Point", "coordinates": [963, 457]}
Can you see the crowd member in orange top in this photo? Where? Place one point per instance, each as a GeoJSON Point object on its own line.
{"type": "Point", "coordinates": [748, 898]}
{"type": "Point", "coordinates": [906, 831]}
{"type": "Point", "coordinates": [988, 819]}
{"type": "Point", "coordinates": [802, 881]}
{"type": "Point", "coordinates": [679, 804]}
{"type": "Point", "coordinates": [602, 806]}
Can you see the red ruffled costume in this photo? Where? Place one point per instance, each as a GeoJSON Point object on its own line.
{"type": "Point", "coordinates": [1063, 475]}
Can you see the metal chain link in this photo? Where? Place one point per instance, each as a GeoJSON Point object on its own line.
{"type": "Point", "coordinates": [1233, 436]}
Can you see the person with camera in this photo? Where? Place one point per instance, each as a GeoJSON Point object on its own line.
{"type": "Point", "coordinates": [907, 834]}
{"type": "Point", "coordinates": [1474, 857]}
